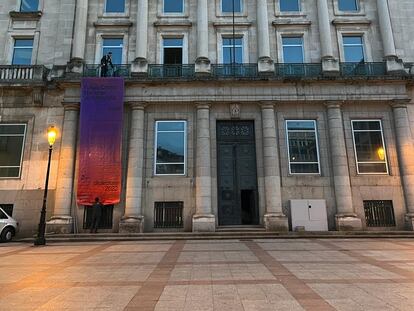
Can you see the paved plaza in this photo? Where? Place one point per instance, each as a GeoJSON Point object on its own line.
{"type": "Point", "coordinates": [265, 274]}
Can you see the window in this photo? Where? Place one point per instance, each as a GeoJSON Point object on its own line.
{"type": "Point", "coordinates": [348, 5]}
{"type": "Point", "coordinates": [11, 149]}
{"type": "Point", "coordinates": [29, 5]}
{"type": "Point", "coordinates": [170, 147]}
{"type": "Point", "coordinates": [227, 6]}
{"type": "Point", "coordinates": [232, 50]}
{"type": "Point", "coordinates": [379, 213]}
{"type": "Point", "coordinates": [173, 51]}
{"type": "Point", "coordinates": [22, 52]}
{"type": "Point", "coordinates": [114, 45]}
{"type": "Point", "coordinates": [370, 154]}
{"type": "Point", "coordinates": [303, 150]}
{"type": "Point", "coordinates": [115, 6]}
{"type": "Point", "coordinates": [168, 214]}
{"type": "Point", "coordinates": [7, 208]}
{"type": "Point", "coordinates": [289, 6]}
{"type": "Point", "coordinates": [173, 6]}
{"type": "Point", "coordinates": [353, 49]}
{"type": "Point", "coordinates": [292, 50]}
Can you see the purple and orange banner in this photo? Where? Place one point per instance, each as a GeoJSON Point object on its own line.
{"type": "Point", "coordinates": [101, 113]}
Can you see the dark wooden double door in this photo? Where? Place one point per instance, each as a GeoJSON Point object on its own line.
{"type": "Point", "coordinates": [237, 176]}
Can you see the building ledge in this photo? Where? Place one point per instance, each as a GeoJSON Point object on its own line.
{"type": "Point", "coordinates": [35, 15]}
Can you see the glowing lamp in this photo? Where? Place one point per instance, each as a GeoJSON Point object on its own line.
{"type": "Point", "coordinates": [51, 135]}
{"type": "Point", "coordinates": [381, 153]}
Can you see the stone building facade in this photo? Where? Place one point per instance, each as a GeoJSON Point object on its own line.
{"type": "Point", "coordinates": [282, 103]}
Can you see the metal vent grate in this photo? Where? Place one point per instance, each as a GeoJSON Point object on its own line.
{"type": "Point", "coordinates": [379, 213]}
{"type": "Point", "coordinates": [168, 214]}
{"type": "Point", "coordinates": [106, 217]}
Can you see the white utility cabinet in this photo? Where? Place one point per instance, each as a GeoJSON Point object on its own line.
{"type": "Point", "coordinates": [310, 214]}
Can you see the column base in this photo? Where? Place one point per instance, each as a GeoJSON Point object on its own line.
{"type": "Point", "coordinates": [202, 66]}
{"type": "Point", "coordinates": [330, 66]}
{"type": "Point", "coordinates": [60, 225]}
{"type": "Point", "coordinates": [204, 223]}
{"type": "Point", "coordinates": [265, 65]}
{"type": "Point", "coordinates": [348, 223]}
{"type": "Point", "coordinates": [409, 220]}
{"type": "Point", "coordinates": [132, 225]}
{"type": "Point", "coordinates": [75, 66]}
{"type": "Point", "coordinates": [139, 66]}
{"type": "Point", "coordinates": [276, 222]}
{"type": "Point", "coordinates": [395, 66]}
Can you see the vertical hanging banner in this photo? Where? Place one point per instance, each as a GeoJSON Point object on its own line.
{"type": "Point", "coordinates": [100, 171]}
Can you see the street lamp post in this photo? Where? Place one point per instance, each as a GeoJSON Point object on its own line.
{"type": "Point", "coordinates": [40, 239]}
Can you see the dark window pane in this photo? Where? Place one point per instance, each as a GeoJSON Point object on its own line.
{"type": "Point", "coordinates": [3, 215]}
{"type": "Point", "coordinates": [173, 56]}
{"type": "Point", "coordinates": [170, 169]}
{"type": "Point", "coordinates": [29, 5]}
{"type": "Point", "coordinates": [366, 168]}
{"type": "Point", "coordinates": [289, 5]}
{"type": "Point", "coordinates": [304, 168]}
{"type": "Point", "coordinates": [9, 172]}
{"type": "Point", "coordinates": [12, 129]}
{"type": "Point", "coordinates": [366, 125]}
{"type": "Point", "coordinates": [302, 147]}
{"type": "Point", "coordinates": [369, 146]}
{"type": "Point", "coordinates": [115, 6]}
{"type": "Point", "coordinates": [10, 150]}
{"type": "Point", "coordinates": [170, 147]}
{"type": "Point", "coordinates": [348, 5]}
{"type": "Point", "coordinates": [170, 126]}
{"type": "Point", "coordinates": [300, 125]}
{"type": "Point", "coordinates": [173, 6]}
{"type": "Point", "coordinates": [227, 6]}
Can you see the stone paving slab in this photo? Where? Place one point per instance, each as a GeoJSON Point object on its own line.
{"type": "Point", "coordinates": [246, 275]}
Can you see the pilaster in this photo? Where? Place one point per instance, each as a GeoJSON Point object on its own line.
{"type": "Point", "coordinates": [265, 62]}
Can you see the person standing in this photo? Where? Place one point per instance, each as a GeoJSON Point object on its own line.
{"type": "Point", "coordinates": [96, 215]}
{"type": "Point", "coordinates": [106, 61]}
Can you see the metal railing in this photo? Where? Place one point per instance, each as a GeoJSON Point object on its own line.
{"type": "Point", "coordinates": [234, 70]}
{"type": "Point", "coordinates": [363, 69]}
{"type": "Point", "coordinates": [168, 215]}
{"type": "Point", "coordinates": [379, 213]}
{"type": "Point", "coordinates": [171, 71]}
{"type": "Point", "coordinates": [95, 70]}
{"type": "Point", "coordinates": [298, 70]}
{"type": "Point", "coordinates": [22, 73]}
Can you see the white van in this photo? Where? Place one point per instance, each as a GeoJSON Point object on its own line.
{"type": "Point", "coordinates": [8, 227]}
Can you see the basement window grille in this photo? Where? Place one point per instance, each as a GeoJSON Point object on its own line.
{"type": "Point", "coordinates": [168, 215]}
{"type": "Point", "coordinates": [106, 217]}
{"type": "Point", "coordinates": [379, 213]}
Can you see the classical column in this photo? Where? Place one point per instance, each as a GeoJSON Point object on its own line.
{"type": "Point", "coordinates": [405, 151]}
{"type": "Point", "coordinates": [390, 54]}
{"type": "Point", "coordinates": [61, 221]}
{"type": "Point", "coordinates": [265, 63]}
{"type": "Point", "coordinates": [133, 219]}
{"type": "Point", "coordinates": [346, 219]}
{"type": "Point", "coordinates": [203, 220]}
{"type": "Point", "coordinates": [140, 64]}
{"type": "Point", "coordinates": [202, 61]}
{"type": "Point", "coordinates": [329, 63]}
{"type": "Point", "coordinates": [79, 36]}
{"type": "Point", "coordinates": [274, 219]}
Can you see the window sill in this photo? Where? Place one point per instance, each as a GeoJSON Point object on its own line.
{"type": "Point", "coordinates": [291, 14]}
{"type": "Point", "coordinates": [172, 15]}
{"type": "Point", "coordinates": [114, 15]}
{"type": "Point", "coordinates": [36, 15]}
{"type": "Point", "coordinates": [349, 13]}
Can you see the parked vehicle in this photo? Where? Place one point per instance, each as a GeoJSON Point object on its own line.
{"type": "Point", "coordinates": [8, 227]}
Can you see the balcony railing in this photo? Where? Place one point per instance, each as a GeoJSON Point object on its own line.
{"type": "Point", "coordinates": [363, 69]}
{"type": "Point", "coordinates": [298, 70]}
{"type": "Point", "coordinates": [22, 73]}
{"type": "Point", "coordinates": [171, 71]}
{"type": "Point", "coordinates": [117, 71]}
{"type": "Point", "coordinates": [234, 70]}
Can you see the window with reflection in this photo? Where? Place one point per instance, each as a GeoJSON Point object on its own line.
{"type": "Point", "coordinates": [348, 5]}
{"type": "Point", "coordinates": [173, 6]}
{"type": "Point", "coordinates": [22, 52]}
{"type": "Point", "coordinates": [114, 45]}
{"type": "Point", "coordinates": [29, 5]}
{"type": "Point", "coordinates": [227, 6]}
{"type": "Point", "coordinates": [302, 144]}
{"type": "Point", "coordinates": [292, 50]}
{"type": "Point", "coordinates": [170, 147]}
{"type": "Point", "coordinates": [232, 50]}
{"type": "Point", "coordinates": [353, 49]}
{"type": "Point", "coordinates": [12, 138]}
{"type": "Point", "coordinates": [370, 153]}
{"type": "Point", "coordinates": [115, 6]}
{"type": "Point", "coordinates": [289, 5]}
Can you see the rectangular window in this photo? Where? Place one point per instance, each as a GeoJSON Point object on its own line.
{"type": "Point", "coordinates": [173, 51]}
{"type": "Point", "coordinates": [303, 150]}
{"type": "Point", "coordinates": [227, 6]}
{"type": "Point", "coordinates": [12, 138]}
{"type": "Point", "coordinates": [115, 6]}
{"type": "Point", "coordinates": [22, 52]}
{"type": "Point", "coordinates": [168, 214]}
{"type": "Point", "coordinates": [370, 154]}
{"type": "Point", "coordinates": [232, 50]}
{"type": "Point", "coordinates": [29, 5]}
{"type": "Point", "coordinates": [289, 6]}
{"type": "Point", "coordinates": [348, 5]}
{"type": "Point", "coordinates": [379, 213]}
{"type": "Point", "coordinates": [173, 6]}
{"type": "Point", "coordinates": [170, 147]}
{"type": "Point", "coordinates": [292, 50]}
{"type": "Point", "coordinates": [114, 45]}
{"type": "Point", "coordinates": [353, 49]}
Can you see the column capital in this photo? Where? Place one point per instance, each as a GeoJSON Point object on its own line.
{"type": "Point", "coordinates": [71, 106]}
{"type": "Point", "coordinates": [267, 104]}
{"type": "Point", "coordinates": [333, 104]}
{"type": "Point", "coordinates": [400, 103]}
{"type": "Point", "coordinates": [136, 105]}
{"type": "Point", "coordinates": [203, 105]}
